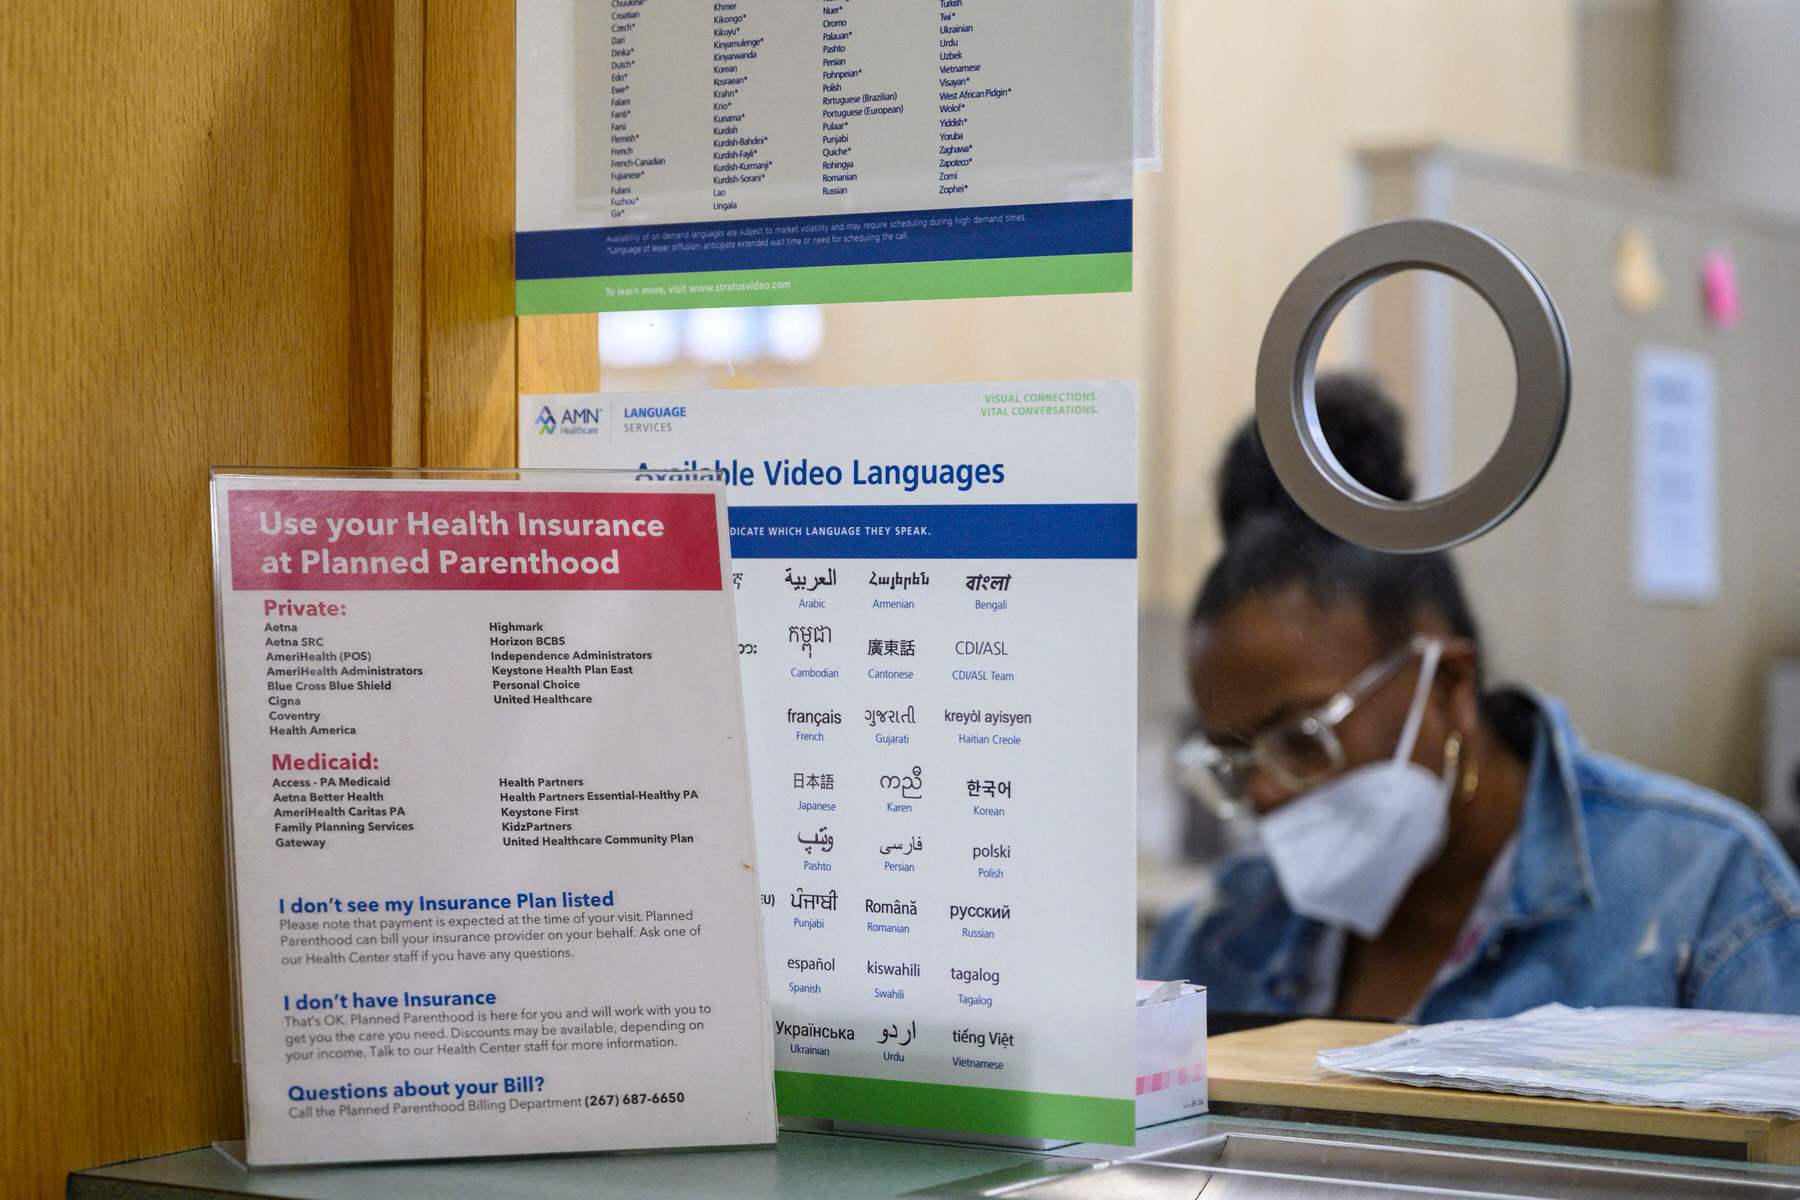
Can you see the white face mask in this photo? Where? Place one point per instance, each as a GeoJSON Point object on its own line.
{"type": "Point", "coordinates": [1346, 851]}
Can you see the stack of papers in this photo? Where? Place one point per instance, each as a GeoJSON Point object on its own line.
{"type": "Point", "coordinates": [1670, 1057]}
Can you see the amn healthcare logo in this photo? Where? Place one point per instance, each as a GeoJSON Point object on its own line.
{"type": "Point", "coordinates": [572, 420]}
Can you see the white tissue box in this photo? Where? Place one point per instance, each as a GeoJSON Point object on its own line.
{"type": "Point", "coordinates": [1171, 1073]}
{"type": "Point", "coordinates": [1171, 1052]}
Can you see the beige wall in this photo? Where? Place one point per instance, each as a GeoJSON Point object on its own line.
{"type": "Point", "coordinates": [1674, 686]}
{"type": "Point", "coordinates": [1735, 95]}
{"type": "Point", "coordinates": [1624, 57]}
{"type": "Point", "coordinates": [1267, 103]}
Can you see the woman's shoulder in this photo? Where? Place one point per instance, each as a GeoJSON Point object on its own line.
{"type": "Point", "coordinates": [1610, 783]}
{"type": "Point", "coordinates": [1668, 867]}
{"type": "Point", "coordinates": [1621, 795]}
{"type": "Point", "coordinates": [1685, 849]}
{"type": "Point", "coordinates": [1615, 791]}
{"type": "Point", "coordinates": [1663, 832]}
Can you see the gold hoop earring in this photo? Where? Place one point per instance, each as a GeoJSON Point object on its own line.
{"type": "Point", "coordinates": [1454, 765]}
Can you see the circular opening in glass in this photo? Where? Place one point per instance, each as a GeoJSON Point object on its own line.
{"type": "Point", "coordinates": [1438, 351]}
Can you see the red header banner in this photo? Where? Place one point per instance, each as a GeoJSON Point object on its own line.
{"type": "Point", "coordinates": [429, 540]}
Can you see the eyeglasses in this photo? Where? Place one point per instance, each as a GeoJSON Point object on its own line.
{"type": "Point", "coordinates": [1296, 752]}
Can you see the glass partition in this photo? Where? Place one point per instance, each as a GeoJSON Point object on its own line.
{"type": "Point", "coordinates": [1553, 764]}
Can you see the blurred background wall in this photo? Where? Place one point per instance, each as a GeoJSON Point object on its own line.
{"type": "Point", "coordinates": [1733, 95]}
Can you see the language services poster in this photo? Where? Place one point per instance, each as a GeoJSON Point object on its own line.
{"type": "Point", "coordinates": [936, 591]}
{"type": "Point", "coordinates": [492, 862]}
{"type": "Point", "coordinates": [674, 155]}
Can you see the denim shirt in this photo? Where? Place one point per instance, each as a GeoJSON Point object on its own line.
{"type": "Point", "coordinates": [1627, 887]}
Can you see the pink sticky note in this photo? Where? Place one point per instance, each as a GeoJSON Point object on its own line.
{"type": "Point", "coordinates": [1719, 289]}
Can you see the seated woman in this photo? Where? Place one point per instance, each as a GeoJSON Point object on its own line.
{"type": "Point", "coordinates": [1427, 849]}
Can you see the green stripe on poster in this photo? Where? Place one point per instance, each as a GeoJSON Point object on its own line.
{"type": "Point", "coordinates": [955, 1108]}
{"type": "Point", "coordinates": [1052, 275]}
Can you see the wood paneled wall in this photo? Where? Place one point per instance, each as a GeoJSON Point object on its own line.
{"type": "Point", "coordinates": [387, 102]}
{"type": "Point", "coordinates": [225, 238]}
{"type": "Point", "coordinates": [172, 207]}
{"type": "Point", "coordinates": [468, 284]}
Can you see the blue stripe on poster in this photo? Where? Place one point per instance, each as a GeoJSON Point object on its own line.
{"type": "Point", "coordinates": [934, 531]}
{"type": "Point", "coordinates": [917, 235]}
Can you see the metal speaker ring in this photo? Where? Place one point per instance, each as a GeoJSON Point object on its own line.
{"type": "Point", "coordinates": [1287, 416]}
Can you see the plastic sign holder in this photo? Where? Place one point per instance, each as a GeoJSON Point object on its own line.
{"type": "Point", "coordinates": [488, 814]}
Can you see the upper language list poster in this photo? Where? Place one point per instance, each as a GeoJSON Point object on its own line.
{"type": "Point", "coordinates": [676, 154]}
{"type": "Point", "coordinates": [936, 591]}
{"type": "Point", "coordinates": [493, 867]}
